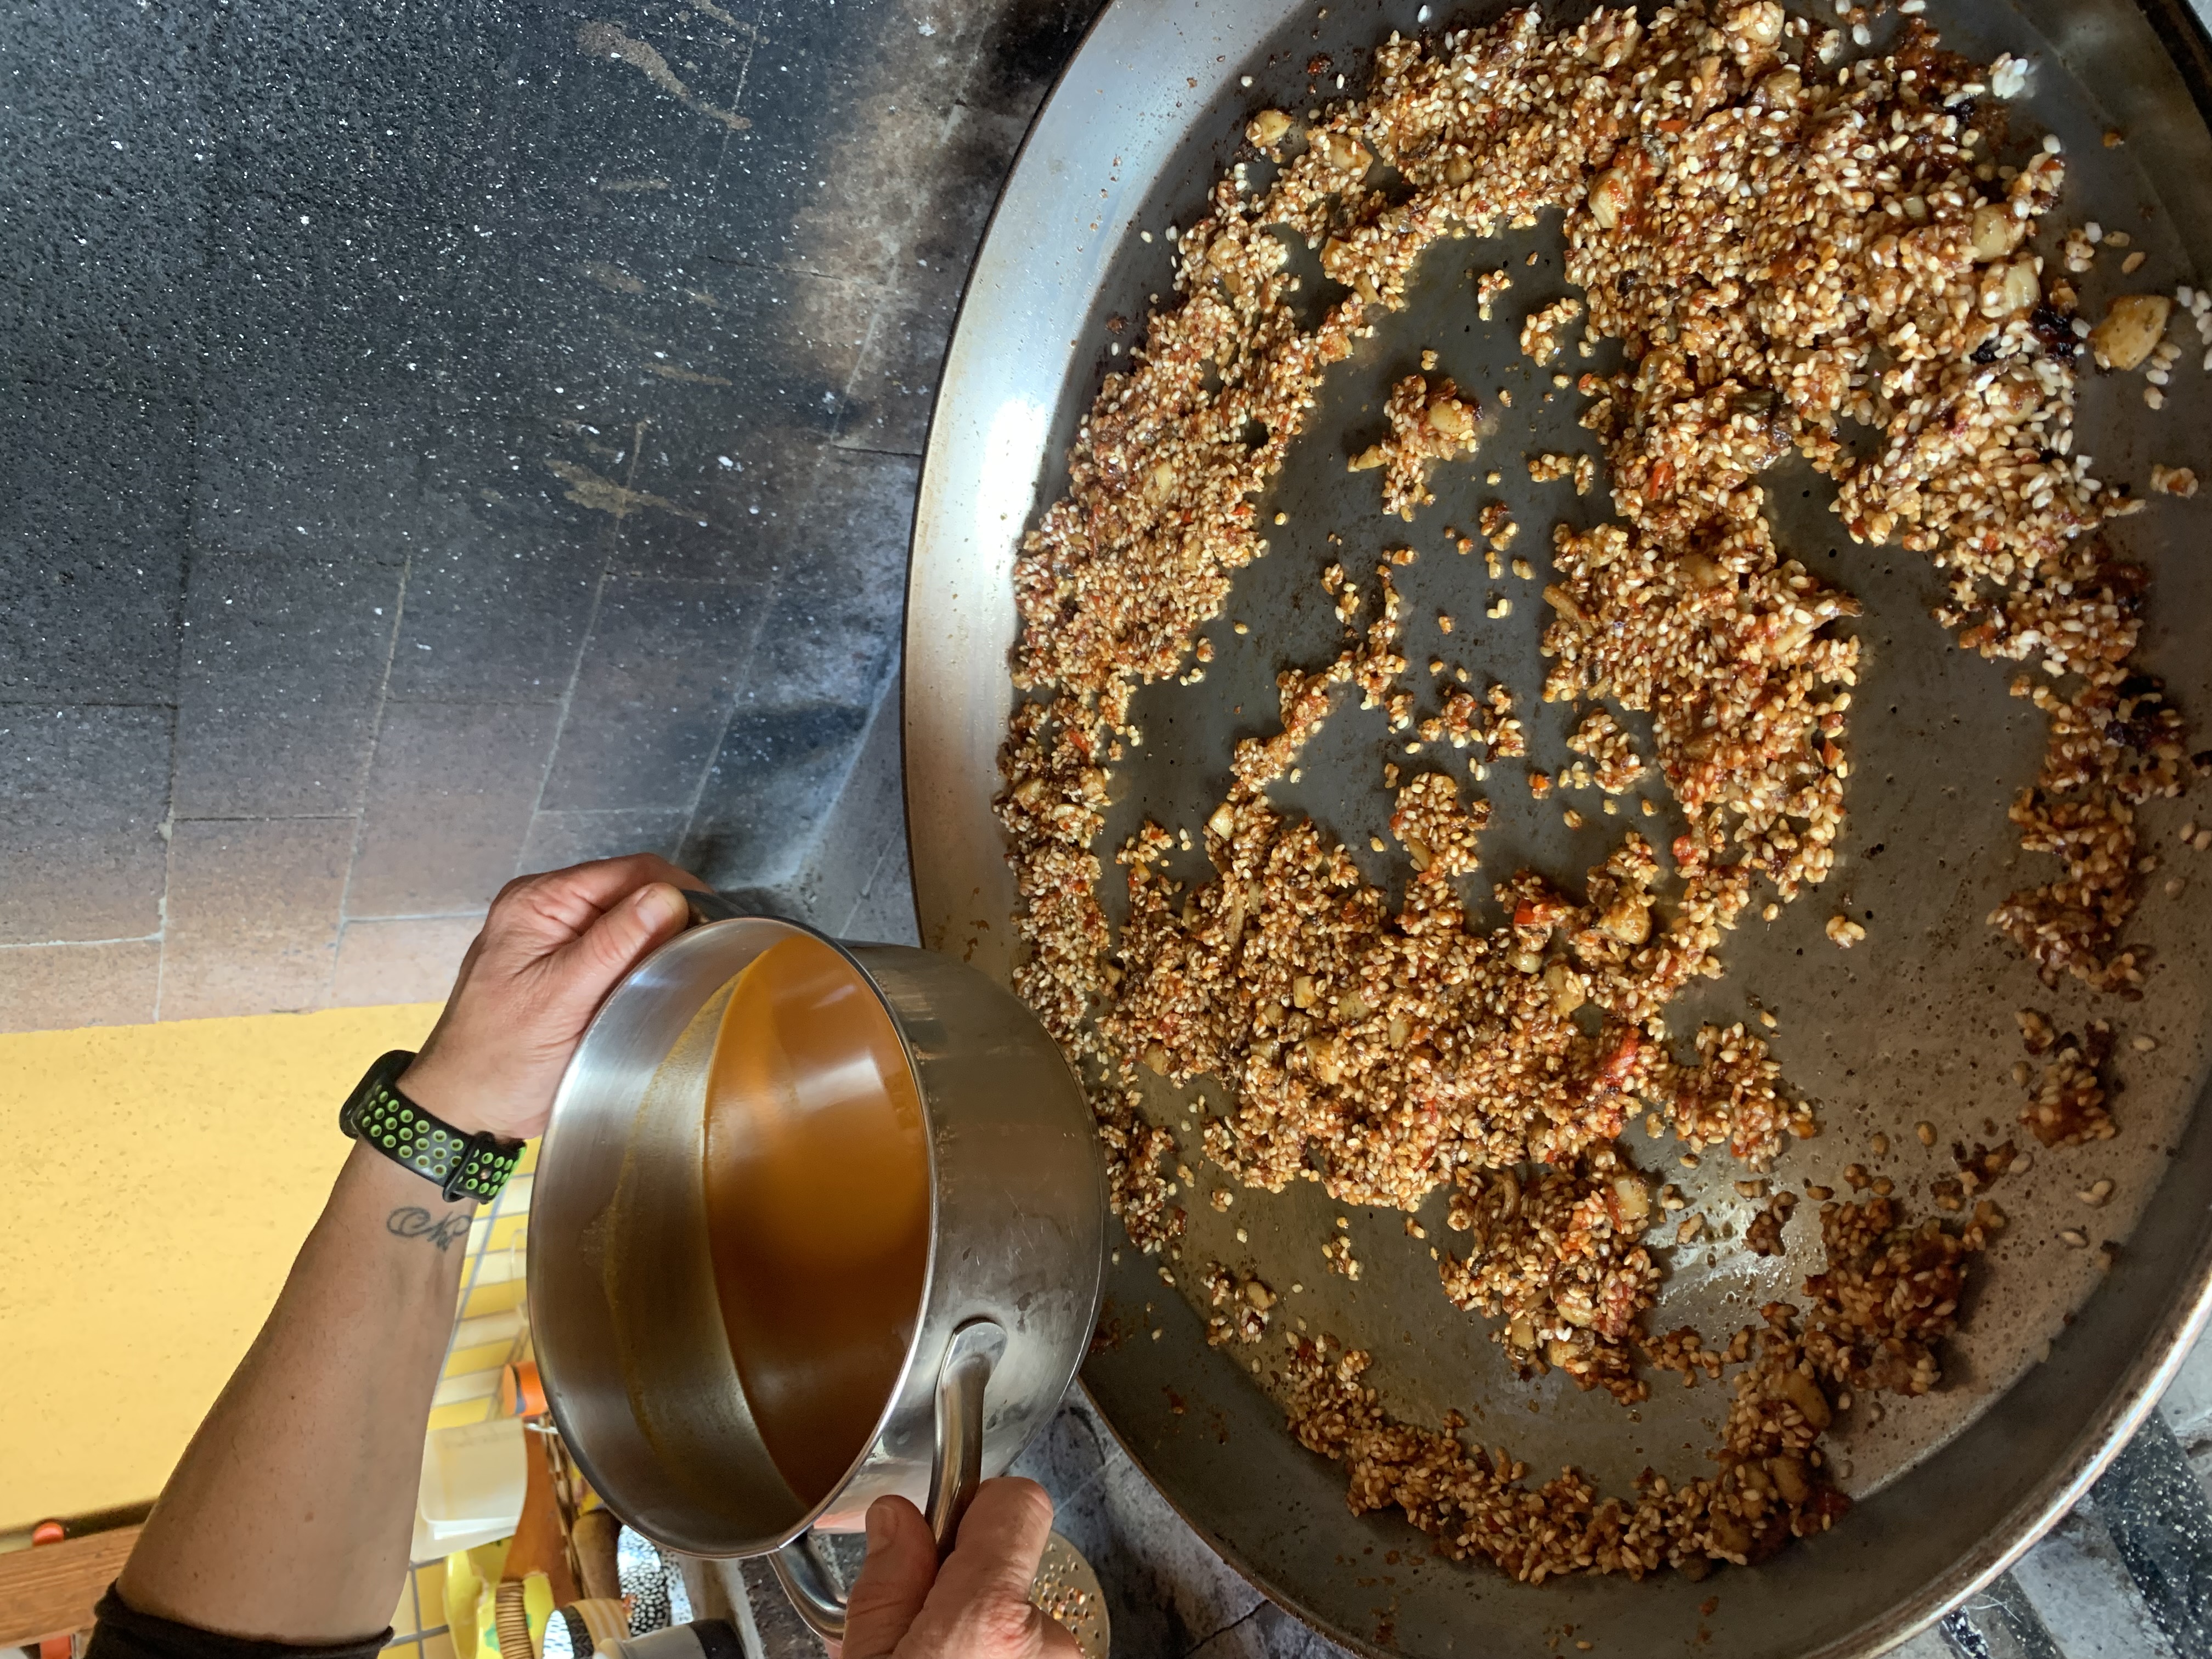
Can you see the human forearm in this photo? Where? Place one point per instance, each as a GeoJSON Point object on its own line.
{"type": "Point", "coordinates": [290, 1516]}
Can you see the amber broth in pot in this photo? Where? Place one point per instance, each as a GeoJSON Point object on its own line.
{"type": "Point", "coordinates": [817, 1205]}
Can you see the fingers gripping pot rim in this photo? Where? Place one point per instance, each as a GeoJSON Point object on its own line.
{"type": "Point", "coordinates": [630, 1341]}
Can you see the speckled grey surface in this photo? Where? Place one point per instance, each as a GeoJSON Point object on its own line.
{"type": "Point", "coordinates": [445, 441]}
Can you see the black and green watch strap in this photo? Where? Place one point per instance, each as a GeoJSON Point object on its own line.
{"type": "Point", "coordinates": [461, 1165]}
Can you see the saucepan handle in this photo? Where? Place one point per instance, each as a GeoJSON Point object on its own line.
{"type": "Point", "coordinates": [803, 1567]}
{"type": "Point", "coordinates": [707, 906]}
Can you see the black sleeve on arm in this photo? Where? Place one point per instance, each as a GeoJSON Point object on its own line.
{"type": "Point", "coordinates": [121, 1632]}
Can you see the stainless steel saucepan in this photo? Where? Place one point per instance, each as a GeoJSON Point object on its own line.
{"type": "Point", "coordinates": [629, 1335]}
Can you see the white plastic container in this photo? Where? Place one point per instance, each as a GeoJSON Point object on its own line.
{"type": "Point", "coordinates": [473, 1481]}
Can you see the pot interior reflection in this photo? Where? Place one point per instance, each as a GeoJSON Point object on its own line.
{"type": "Point", "coordinates": [817, 1203]}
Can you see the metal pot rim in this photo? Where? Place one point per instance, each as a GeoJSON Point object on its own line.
{"type": "Point", "coordinates": [690, 942]}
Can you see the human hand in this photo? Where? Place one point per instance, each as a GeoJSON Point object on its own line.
{"type": "Point", "coordinates": [551, 948]}
{"type": "Point", "coordinates": [976, 1605]}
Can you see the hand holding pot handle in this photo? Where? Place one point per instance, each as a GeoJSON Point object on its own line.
{"type": "Point", "coordinates": [975, 1606]}
{"type": "Point", "coordinates": [957, 1472]}
{"type": "Point", "coordinates": [956, 1476]}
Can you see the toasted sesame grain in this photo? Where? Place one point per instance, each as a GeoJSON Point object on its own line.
{"type": "Point", "coordinates": [1299, 983]}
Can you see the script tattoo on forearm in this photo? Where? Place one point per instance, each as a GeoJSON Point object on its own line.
{"type": "Point", "coordinates": [412, 1221]}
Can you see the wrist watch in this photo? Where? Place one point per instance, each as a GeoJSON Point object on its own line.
{"type": "Point", "coordinates": [460, 1164]}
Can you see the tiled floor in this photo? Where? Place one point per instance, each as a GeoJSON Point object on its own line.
{"type": "Point", "coordinates": [419, 1630]}
{"type": "Point", "coordinates": [450, 449]}
{"type": "Point", "coordinates": [490, 1324]}
{"type": "Point", "coordinates": [490, 1331]}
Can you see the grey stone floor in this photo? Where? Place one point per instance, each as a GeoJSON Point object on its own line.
{"type": "Point", "coordinates": [446, 441]}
